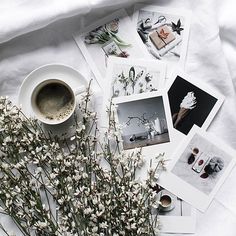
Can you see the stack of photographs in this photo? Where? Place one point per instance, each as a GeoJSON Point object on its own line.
{"type": "Point", "coordinates": [160, 109]}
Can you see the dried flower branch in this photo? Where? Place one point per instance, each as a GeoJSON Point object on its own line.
{"type": "Point", "coordinates": [52, 186]}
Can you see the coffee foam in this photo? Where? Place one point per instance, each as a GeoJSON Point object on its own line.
{"type": "Point", "coordinates": [55, 101]}
{"type": "Point", "coordinates": [165, 200]}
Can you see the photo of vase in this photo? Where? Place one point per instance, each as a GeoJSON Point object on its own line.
{"type": "Point", "coordinates": [157, 126]}
{"type": "Point", "coordinates": [144, 122]}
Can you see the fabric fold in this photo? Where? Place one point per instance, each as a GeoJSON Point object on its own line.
{"type": "Point", "coordinates": [23, 16]}
{"type": "Point", "coordinates": [26, 16]}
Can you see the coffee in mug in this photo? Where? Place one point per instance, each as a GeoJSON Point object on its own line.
{"type": "Point", "coordinates": [165, 202]}
{"type": "Point", "coordinates": [53, 101]}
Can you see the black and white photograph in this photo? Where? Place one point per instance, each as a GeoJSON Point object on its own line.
{"type": "Point", "coordinates": [112, 36]}
{"type": "Point", "coordinates": [172, 209]}
{"type": "Point", "coordinates": [143, 120]}
{"type": "Point", "coordinates": [191, 103]}
{"type": "Point", "coordinates": [163, 32]}
{"type": "Point", "coordinates": [127, 77]}
{"type": "Point", "coordinates": [199, 168]}
{"type": "Point", "coordinates": [135, 76]}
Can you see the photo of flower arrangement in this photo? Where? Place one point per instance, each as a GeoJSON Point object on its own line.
{"type": "Point", "coordinates": [129, 79]}
{"type": "Point", "coordinates": [112, 36]}
{"type": "Point", "coordinates": [107, 37]}
{"type": "Point", "coordinates": [143, 122]}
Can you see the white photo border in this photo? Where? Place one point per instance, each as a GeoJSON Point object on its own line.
{"type": "Point", "coordinates": [184, 190]}
{"type": "Point", "coordinates": [172, 11]}
{"type": "Point", "coordinates": [79, 40]}
{"type": "Point", "coordinates": [179, 224]}
{"type": "Point", "coordinates": [152, 151]}
{"type": "Point", "coordinates": [204, 87]}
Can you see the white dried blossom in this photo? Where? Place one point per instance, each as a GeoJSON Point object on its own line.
{"type": "Point", "coordinates": [41, 224]}
{"type": "Point", "coordinates": [71, 175]}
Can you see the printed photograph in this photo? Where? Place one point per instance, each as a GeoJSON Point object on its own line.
{"type": "Point", "coordinates": [112, 36]}
{"type": "Point", "coordinates": [143, 122]}
{"type": "Point", "coordinates": [129, 79]}
{"type": "Point", "coordinates": [202, 164]}
{"type": "Point", "coordinates": [133, 76]}
{"type": "Point", "coordinates": [198, 168]}
{"type": "Point", "coordinates": [164, 33]}
{"type": "Point", "coordinates": [170, 204]}
{"type": "Point", "coordinates": [189, 105]}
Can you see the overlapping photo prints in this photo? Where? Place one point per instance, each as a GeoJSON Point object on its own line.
{"type": "Point", "coordinates": [114, 36]}
{"type": "Point", "coordinates": [198, 168]}
{"type": "Point", "coordinates": [145, 120]}
{"type": "Point", "coordinates": [176, 215]}
{"type": "Point", "coordinates": [127, 77]}
{"type": "Point", "coordinates": [191, 103]}
{"type": "Point", "coordinates": [163, 31]}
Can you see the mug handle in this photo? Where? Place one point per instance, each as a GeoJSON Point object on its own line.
{"type": "Point", "coordinates": [79, 90]}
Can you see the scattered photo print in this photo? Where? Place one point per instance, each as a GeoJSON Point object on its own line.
{"type": "Point", "coordinates": [133, 76]}
{"type": "Point", "coordinates": [111, 36]}
{"type": "Point", "coordinates": [173, 212]}
{"type": "Point", "coordinates": [198, 169]}
{"type": "Point", "coordinates": [134, 79]}
{"type": "Point", "coordinates": [170, 204]}
{"type": "Point", "coordinates": [201, 164]}
{"type": "Point", "coordinates": [163, 32]}
{"type": "Point", "coordinates": [127, 77]}
{"type": "Point", "coordinates": [143, 122]}
{"type": "Point", "coordinates": [190, 104]}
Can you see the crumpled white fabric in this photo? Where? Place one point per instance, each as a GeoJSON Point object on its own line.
{"type": "Point", "coordinates": [33, 33]}
{"type": "Point", "coordinates": [22, 16]}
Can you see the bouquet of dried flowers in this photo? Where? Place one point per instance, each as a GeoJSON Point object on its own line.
{"type": "Point", "coordinates": [132, 82]}
{"type": "Point", "coordinates": [81, 186]}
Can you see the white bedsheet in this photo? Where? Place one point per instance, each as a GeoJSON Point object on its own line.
{"type": "Point", "coordinates": [44, 29]}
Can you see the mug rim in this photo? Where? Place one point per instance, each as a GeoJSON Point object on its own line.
{"type": "Point", "coordinates": [41, 118]}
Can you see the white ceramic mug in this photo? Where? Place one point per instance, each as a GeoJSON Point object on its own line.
{"type": "Point", "coordinates": [53, 101]}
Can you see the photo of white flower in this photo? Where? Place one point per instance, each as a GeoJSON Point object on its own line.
{"type": "Point", "coordinates": [191, 103]}
{"type": "Point", "coordinates": [188, 103]}
{"type": "Point", "coordinates": [129, 79]}
{"type": "Point", "coordinates": [111, 36]}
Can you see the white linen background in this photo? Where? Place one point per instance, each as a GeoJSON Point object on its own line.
{"type": "Point", "coordinates": [37, 32]}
